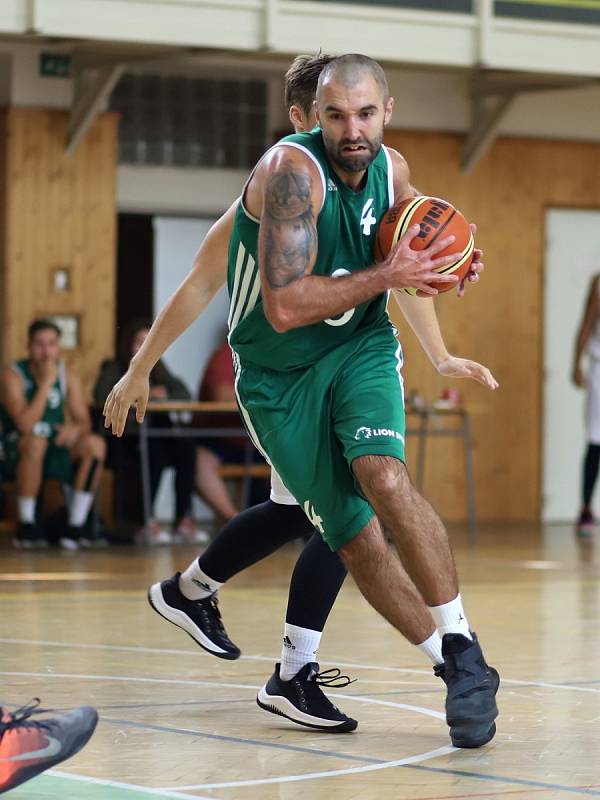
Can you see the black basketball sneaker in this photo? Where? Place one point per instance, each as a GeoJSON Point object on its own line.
{"type": "Point", "coordinates": [29, 536]}
{"type": "Point", "coordinates": [472, 685]}
{"type": "Point", "coordinates": [201, 619]}
{"type": "Point", "coordinates": [301, 699]}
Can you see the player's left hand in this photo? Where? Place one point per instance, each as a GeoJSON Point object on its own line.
{"type": "Point", "coordinates": [477, 266]}
{"type": "Point", "coordinates": [453, 367]}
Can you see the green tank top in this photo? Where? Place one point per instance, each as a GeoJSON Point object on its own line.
{"type": "Point", "coordinates": [54, 413]}
{"type": "Point", "coordinates": [346, 228]}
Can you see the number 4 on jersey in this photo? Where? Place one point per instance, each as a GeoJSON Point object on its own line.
{"type": "Point", "coordinates": [367, 218]}
{"type": "Point", "coordinates": [310, 512]}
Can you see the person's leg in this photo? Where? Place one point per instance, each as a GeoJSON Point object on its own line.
{"type": "Point", "coordinates": [368, 389]}
{"type": "Point", "coordinates": [89, 453]}
{"type": "Point", "coordinates": [28, 746]}
{"type": "Point", "coordinates": [210, 486]}
{"type": "Point", "coordinates": [159, 458]}
{"type": "Point", "coordinates": [591, 462]}
{"type": "Point", "coordinates": [586, 522]}
{"type": "Point", "coordinates": [31, 452]}
{"type": "Point", "coordinates": [417, 531]}
{"type": "Point", "coordinates": [316, 581]}
{"type": "Point", "coordinates": [324, 485]}
{"type": "Point", "coordinates": [189, 599]}
{"type": "Point", "coordinates": [182, 457]}
{"type": "Point", "coordinates": [470, 703]}
{"type": "Point", "coordinates": [590, 473]}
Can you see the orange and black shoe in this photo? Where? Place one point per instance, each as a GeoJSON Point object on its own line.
{"type": "Point", "coordinates": [28, 747]}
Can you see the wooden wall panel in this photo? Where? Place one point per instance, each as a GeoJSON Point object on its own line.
{"type": "Point", "coordinates": [59, 210]}
{"type": "Point", "coordinates": [499, 322]}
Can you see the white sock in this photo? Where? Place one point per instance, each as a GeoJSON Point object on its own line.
{"type": "Point", "coordinates": [196, 584]}
{"type": "Point", "coordinates": [432, 648]}
{"type": "Point", "coordinates": [26, 509]}
{"type": "Point", "coordinates": [450, 618]}
{"type": "Point", "coordinates": [80, 508]}
{"type": "Point", "coordinates": [300, 647]}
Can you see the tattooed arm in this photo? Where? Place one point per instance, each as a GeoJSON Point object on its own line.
{"type": "Point", "coordinates": [286, 193]}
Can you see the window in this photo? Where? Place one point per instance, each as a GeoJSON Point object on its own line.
{"type": "Point", "coordinates": [181, 121]}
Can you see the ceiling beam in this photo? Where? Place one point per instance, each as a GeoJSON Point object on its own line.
{"type": "Point", "coordinates": [92, 90]}
{"type": "Point", "coordinates": [484, 129]}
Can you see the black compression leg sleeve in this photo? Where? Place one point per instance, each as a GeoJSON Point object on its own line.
{"type": "Point", "coordinates": [316, 581]}
{"type": "Point", "coordinates": [251, 536]}
{"type": "Point", "coordinates": [590, 472]}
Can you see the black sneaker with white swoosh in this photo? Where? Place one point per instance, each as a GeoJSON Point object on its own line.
{"type": "Point", "coordinates": [200, 619]}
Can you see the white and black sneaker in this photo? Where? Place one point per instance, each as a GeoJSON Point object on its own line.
{"type": "Point", "coordinates": [301, 699]}
{"type": "Point", "coordinates": [201, 619]}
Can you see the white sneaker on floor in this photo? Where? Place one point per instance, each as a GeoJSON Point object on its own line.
{"type": "Point", "coordinates": [154, 534]}
{"type": "Point", "coordinates": [190, 533]}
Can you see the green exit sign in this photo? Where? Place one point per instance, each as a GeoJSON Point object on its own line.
{"type": "Point", "coordinates": [55, 65]}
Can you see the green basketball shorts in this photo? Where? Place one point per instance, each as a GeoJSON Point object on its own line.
{"type": "Point", "coordinates": [312, 423]}
{"type": "Point", "coordinates": [57, 460]}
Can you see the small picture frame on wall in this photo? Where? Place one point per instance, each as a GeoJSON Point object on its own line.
{"type": "Point", "coordinates": [61, 279]}
{"type": "Point", "coordinates": [69, 329]}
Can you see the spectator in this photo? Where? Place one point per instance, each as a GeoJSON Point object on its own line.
{"type": "Point", "coordinates": [588, 342]}
{"type": "Point", "coordinates": [218, 386]}
{"type": "Point", "coordinates": [167, 452]}
{"type": "Point", "coordinates": [47, 430]}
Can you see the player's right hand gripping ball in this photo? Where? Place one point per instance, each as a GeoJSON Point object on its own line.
{"type": "Point", "coordinates": [437, 218]}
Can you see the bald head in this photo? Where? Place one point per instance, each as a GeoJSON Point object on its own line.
{"type": "Point", "coordinates": [349, 70]}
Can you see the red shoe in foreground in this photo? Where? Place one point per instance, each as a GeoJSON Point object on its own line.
{"type": "Point", "coordinates": [28, 747]}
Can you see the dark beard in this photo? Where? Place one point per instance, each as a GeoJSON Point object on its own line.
{"type": "Point", "coordinates": [351, 163]}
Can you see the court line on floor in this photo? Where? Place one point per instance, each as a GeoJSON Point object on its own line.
{"type": "Point", "coordinates": [242, 740]}
{"type": "Point", "coordinates": [440, 751]}
{"type": "Point", "coordinates": [269, 745]}
{"type": "Point", "coordinates": [133, 787]}
{"type": "Point", "coordinates": [506, 779]}
{"type": "Point", "coordinates": [286, 779]}
{"type": "Point", "coordinates": [500, 793]}
{"type": "Point", "coordinates": [413, 762]}
{"type": "Point", "coordinates": [216, 684]}
{"type": "Point", "coordinates": [168, 651]}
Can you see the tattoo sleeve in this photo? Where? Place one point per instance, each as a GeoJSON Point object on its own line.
{"type": "Point", "coordinates": [289, 228]}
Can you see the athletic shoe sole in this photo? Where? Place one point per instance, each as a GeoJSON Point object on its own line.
{"type": "Point", "coordinates": [276, 704]}
{"type": "Point", "coordinates": [181, 619]}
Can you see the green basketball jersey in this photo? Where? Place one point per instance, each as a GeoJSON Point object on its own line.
{"type": "Point", "coordinates": [54, 413]}
{"type": "Point", "coordinates": [346, 229]}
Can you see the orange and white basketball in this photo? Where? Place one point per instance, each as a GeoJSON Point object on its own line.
{"type": "Point", "coordinates": [437, 218]}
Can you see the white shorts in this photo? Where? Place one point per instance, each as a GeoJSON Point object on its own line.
{"type": "Point", "coordinates": [279, 494]}
{"type": "Point", "coordinates": [592, 406]}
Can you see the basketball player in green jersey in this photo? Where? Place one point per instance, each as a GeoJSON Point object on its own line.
{"type": "Point", "coordinates": [47, 428]}
{"type": "Point", "coordinates": [417, 616]}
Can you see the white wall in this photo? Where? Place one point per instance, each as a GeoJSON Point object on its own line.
{"type": "Point", "coordinates": [170, 190]}
{"type": "Point", "coordinates": [571, 260]}
{"type": "Point", "coordinates": [27, 86]}
{"type": "Point", "coordinates": [176, 241]}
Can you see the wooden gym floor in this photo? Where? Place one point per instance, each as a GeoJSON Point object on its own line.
{"type": "Point", "coordinates": [176, 722]}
